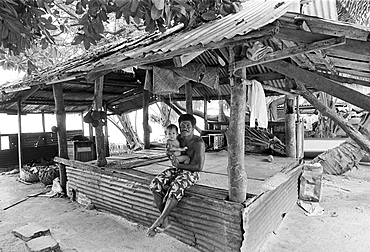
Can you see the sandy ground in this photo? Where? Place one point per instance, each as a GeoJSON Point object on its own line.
{"type": "Point", "coordinates": [75, 228]}
{"type": "Point", "coordinates": [343, 227]}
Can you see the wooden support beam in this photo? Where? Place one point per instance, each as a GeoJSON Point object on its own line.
{"type": "Point", "coordinates": [60, 114]}
{"type": "Point", "coordinates": [333, 28]}
{"type": "Point", "coordinates": [106, 136]}
{"type": "Point", "coordinates": [82, 123]}
{"type": "Point", "coordinates": [347, 80]}
{"type": "Point", "coordinates": [182, 60]}
{"type": "Point", "coordinates": [300, 59]}
{"type": "Point", "coordinates": [321, 83]}
{"type": "Point", "coordinates": [359, 138]}
{"type": "Point", "coordinates": [91, 132]}
{"type": "Point", "coordinates": [291, 51]}
{"type": "Point", "coordinates": [205, 113]}
{"type": "Point", "coordinates": [237, 177]}
{"type": "Point", "coordinates": [146, 126]}
{"type": "Point", "coordinates": [99, 134]}
{"type": "Point", "coordinates": [299, 132]}
{"type": "Point", "coordinates": [20, 155]}
{"type": "Point", "coordinates": [299, 36]}
{"type": "Point", "coordinates": [327, 61]}
{"type": "Point", "coordinates": [189, 97]}
{"type": "Point", "coordinates": [277, 90]}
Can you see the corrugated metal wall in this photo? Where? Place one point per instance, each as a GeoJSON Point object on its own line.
{"type": "Point", "coordinates": [9, 157]}
{"type": "Point", "coordinates": [207, 223]}
{"type": "Point", "coordinates": [265, 214]}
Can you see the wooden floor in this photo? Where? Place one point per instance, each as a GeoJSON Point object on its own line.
{"type": "Point", "coordinates": [214, 173]}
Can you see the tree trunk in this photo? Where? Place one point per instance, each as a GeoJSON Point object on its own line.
{"type": "Point", "coordinates": [127, 131]}
{"type": "Point", "coordinates": [237, 176]}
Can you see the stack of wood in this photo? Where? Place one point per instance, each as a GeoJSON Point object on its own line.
{"type": "Point", "coordinates": [265, 140]}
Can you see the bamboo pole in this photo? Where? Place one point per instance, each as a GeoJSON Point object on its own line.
{"type": "Point", "coordinates": [146, 119]}
{"type": "Point", "coordinates": [237, 177]}
{"type": "Point", "coordinates": [60, 113]}
{"type": "Point", "coordinates": [99, 134]}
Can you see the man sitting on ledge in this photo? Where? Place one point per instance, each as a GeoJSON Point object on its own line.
{"type": "Point", "coordinates": [168, 187]}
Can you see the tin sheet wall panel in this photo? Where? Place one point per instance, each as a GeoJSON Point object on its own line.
{"type": "Point", "coordinates": [205, 223]}
{"type": "Point", "coordinates": [264, 215]}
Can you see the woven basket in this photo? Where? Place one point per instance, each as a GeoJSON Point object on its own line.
{"type": "Point", "coordinates": [28, 176]}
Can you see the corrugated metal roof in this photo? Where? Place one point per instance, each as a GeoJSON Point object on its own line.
{"type": "Point", "coordinates": [254, 15]}
{"type": "Point", "coordinates": [321, 8]}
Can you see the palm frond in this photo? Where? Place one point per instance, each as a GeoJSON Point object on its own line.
{"type": "Point", "coordinates": [354, 11]}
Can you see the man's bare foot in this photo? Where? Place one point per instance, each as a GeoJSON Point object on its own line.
{"type": "Point", "coordinates": [153, 230]}
{"type": "Point", "coordinates": [165, 225]}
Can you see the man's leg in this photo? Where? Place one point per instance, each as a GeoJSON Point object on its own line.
{"type": "Point", "coordinates": [158, 201]}
{"type": "Point", "coordinates": [163, 220]}
{"type": "Point", "coordinates": [181, 182]}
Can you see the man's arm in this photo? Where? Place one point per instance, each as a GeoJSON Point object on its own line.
{"type": "Point", "coordinates": [196, 152]}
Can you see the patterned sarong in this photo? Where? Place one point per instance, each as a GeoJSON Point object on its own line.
{"type": "Point", "coordinates": [173, 182]}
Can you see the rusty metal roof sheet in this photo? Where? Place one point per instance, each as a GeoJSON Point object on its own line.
{"type": "Point", "coordinates": [321, 8]}
{"type": "Point", "coordinates": [254, 15]}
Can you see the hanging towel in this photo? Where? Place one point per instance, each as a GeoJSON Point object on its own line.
{"type": "Point", "coordinates": [257, 104]}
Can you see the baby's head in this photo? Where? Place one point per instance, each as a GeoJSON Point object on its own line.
{"type": "Point", "coordinates": [172, 132]}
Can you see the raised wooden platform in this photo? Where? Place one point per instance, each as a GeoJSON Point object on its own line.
{"type": "Point", "coordinates": [205, 218]}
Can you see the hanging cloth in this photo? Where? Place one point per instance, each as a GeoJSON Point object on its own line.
{"type": "Point", "coordinates": [257, 104]}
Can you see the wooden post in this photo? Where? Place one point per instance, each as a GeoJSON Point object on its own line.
{"type": "Point", "coordinates": [91, 133]}
{"type": "Point", "coordinates": [43, 127]}
{"type": "Point", "coordinates": [146, 126]}
{"type": "Point", "coordinates": [290, 138]}
{"type": "Point", "coordinates": [60, 113]}
{"type": "Point", "coordinates": [189, 98]}
{"type": "Point", "coordinates": [237, 177]}
{"type": "Point", "coordinates": [299, 132]}
{"type": "Point", "coordinates": [106, 140]}
{"type": "Point", "coordinates": [99, 135]}
{"type": "Point", "coordinates": [19, 109]}
{"type": "Point", "coordinates": [205, 114]}
{"type": "Point", "coordinates": [82, 124]}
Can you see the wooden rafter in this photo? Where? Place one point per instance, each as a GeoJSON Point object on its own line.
{"type": "Point", "coordinates": [321, 83]}
{"type": "Point", "coordinates": [299, 36]}
{"type": "Point", "coordinates": [291, 51]}
{"type": "Point", "coordinates": [347, 80]}
{"type": "Point", "coordinates": [327, 61]}
{"type": "Point", "coordinates": [301, 59]}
